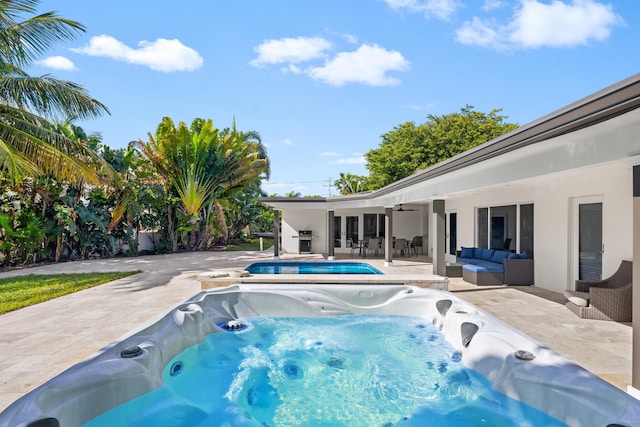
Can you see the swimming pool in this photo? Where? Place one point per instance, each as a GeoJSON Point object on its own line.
{"type": "Point", "coordinates": [518, 368]}
{"type": "Point", "coordinates": [312, 267]}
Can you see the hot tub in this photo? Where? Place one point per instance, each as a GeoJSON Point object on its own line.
{"type": "Point", "coordinates": [511, 362]}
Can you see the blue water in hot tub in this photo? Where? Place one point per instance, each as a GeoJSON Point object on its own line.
{"type": "Point", "coordinates": [306, 267]}
{"type": "Point", "coordinates": [354, 370]}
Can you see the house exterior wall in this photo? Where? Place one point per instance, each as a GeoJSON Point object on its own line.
{"type": "Point", "coordinates": [294, 220]}
{"type": "Point", "coordinates": [553, 198]}
{"type": "Point", "coordinates": [408, 224]}
{"type": "Point", "coordinates": [405, 225]}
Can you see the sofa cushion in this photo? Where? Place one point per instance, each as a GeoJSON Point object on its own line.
{"type": "Point", "coordinates": [512, 255]}
{"type": "Point", "coordinates": [481, 266]}
{"type": "Point", "coordinates": [498, 256]}
{"type": "Point", "coordinates": [477, 253]}
{"type": "Point", "coordinates": [467, 252]}
{"type": "Point", "coordinates": [522, 256]}
{"type": "Point", "coordinates": [581, 299]}
{"type": "Point", "coordinates": [487, 254]}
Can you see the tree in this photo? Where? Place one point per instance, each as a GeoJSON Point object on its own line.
{"type": "Point", "coordinates": [29, 143]}
{"type": "Point", "coordinates": [409, 148]}
{"type": "Point", "coordinates": [199, 166]}
{"type": "Point", "coordinates": [349, 183]}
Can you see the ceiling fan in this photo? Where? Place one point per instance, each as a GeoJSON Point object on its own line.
{"type": "Point", "coordinates": [401, 209]}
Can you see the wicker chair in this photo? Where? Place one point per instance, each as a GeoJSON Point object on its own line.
{"type": "Point", "coordinates": [608, 299]}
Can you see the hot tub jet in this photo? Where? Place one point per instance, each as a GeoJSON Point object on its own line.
{"type": "Point", "coordinates": [234, 325]}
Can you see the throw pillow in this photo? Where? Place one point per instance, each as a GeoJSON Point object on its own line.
{"type": "Point", "coordinates": [487, 254]}
{"type": "Point", "coordinates": [498, 256]}
{"type": "Point", "coordinates": [466, 252]}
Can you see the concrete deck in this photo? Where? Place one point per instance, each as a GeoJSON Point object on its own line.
{"type": "Point", "coordinates": [422, 280]}
{"type": "Point", "coordinates": [39, 342]}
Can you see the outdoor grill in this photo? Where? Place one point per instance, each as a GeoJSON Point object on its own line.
{"type": "Point", "coordinates": [304, 241]}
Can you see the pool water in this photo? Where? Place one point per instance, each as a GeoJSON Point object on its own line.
{"type": "Point", "coordinates": [306, 267]}
{"type": "Point", "coordinates": [354, 370]}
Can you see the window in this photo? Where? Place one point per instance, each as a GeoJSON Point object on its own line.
{"type": "Point", "coordinates": [526, 230]}
{"type": "Point", "coordinates": [370, 225]}
{"type": "Point", "coordinates": [483, 228]}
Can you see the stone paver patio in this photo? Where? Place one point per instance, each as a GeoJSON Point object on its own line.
{"type": "Point", "coordinates": [39, 342]}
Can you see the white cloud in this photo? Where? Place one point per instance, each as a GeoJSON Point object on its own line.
{"type": "Point", "coordinates": [422, 107]}
{"type": "Point", "coordinates": [441, 9]}
{"type": "Point", "coordinates": [159, 55]}
{"type": "Point", "coordinates": [350, 38]}
{"type": "Point", "coordinates": [291, 68]}
{"type": "Point", "coordinates": [535, 25]}
{"type": "Point", "coordinates": [493, 4]}
{"type": "Point", "coordinates": [58, 63]}
{"type": "Point", "coordinates": [287, 141]}
{"type": "Point", "coordinates": [350, 161]}
{"type": "Point", "coordinates": [276, 187]}
{"type": "Point", "coordinates": [289, 50]}
{"type": "Point", "coordinates": [562, 25]}
{"type": "Point", "coordinates": [367, 65]}
{"type": "Point", "coordinates": [480, 33]}
{"type": "Point", "coordinates": [329, 154]}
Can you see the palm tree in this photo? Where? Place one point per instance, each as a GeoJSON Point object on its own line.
{"type": "Point", "coordinates": [203, 165]}
{"type": "Point", "coordinates": [349, 183]}
{"type": "Point", "coordinates": [29, 143]}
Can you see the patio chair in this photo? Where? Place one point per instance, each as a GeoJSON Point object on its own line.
{"type": "Point", "coordinates": [401, 246]}
{"type": "Point", "coordinates": [608, 299]}
{"type": "Point", "coordinates": [353, 246]}
{"type": "Point", "coordinates": [416, 243]}
{"type": "Point", "coordinates": [373, 245]}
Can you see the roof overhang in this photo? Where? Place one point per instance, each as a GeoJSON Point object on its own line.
{"type": "Point", "coordinates": [599, 128]}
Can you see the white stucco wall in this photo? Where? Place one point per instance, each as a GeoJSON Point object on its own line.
{"type": "Point", "coordinates": [408, 224]}
{"type": "Point", "coordinates": [405, 225]}
{"type": "Point", "coordinates": [553, 198]}
{"type": "Point", "coordinates": [294, 220]}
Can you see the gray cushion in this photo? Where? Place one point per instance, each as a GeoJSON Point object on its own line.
{"type": "Point", "coordinates": [581, 299]}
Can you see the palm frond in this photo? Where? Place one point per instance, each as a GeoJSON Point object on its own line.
{"type": "Point", "coordinates": [48, 96]}
{"type": "Point", "coordinates": [22, 42]}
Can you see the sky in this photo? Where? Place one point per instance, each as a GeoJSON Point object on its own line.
{"type": "Point", "coordinates": [322, 80]}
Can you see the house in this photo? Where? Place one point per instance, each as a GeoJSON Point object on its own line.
{"type": "Point", "coordinates": [561, 188]}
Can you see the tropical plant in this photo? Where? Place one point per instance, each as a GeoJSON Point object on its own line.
{"type": "Point", "coordinates": [29, 143]}
{"type": "Point", "coordinates": [198, 166]}
{"type": "Point", "coordinates": [349, 183]}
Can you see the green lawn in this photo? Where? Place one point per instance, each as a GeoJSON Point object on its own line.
{"type": "Point", "coordinates": [23, 291]}
{"type": "Point", "coordinates": [252, 245]}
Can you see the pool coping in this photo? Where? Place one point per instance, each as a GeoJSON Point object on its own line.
{"type": "Point", "coordinates": [216, 279]}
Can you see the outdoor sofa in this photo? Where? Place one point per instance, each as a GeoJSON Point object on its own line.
{"type": "Point", "coordinates": [482, 266]}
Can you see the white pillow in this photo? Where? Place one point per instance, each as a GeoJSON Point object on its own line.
{"type": "Point", "coordinates": [581, 299]}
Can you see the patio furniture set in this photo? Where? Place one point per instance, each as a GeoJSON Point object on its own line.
{"type": "Point", "coordinates": [483, 266]}
{"type": "Point", "coordinates": [375, 245]}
